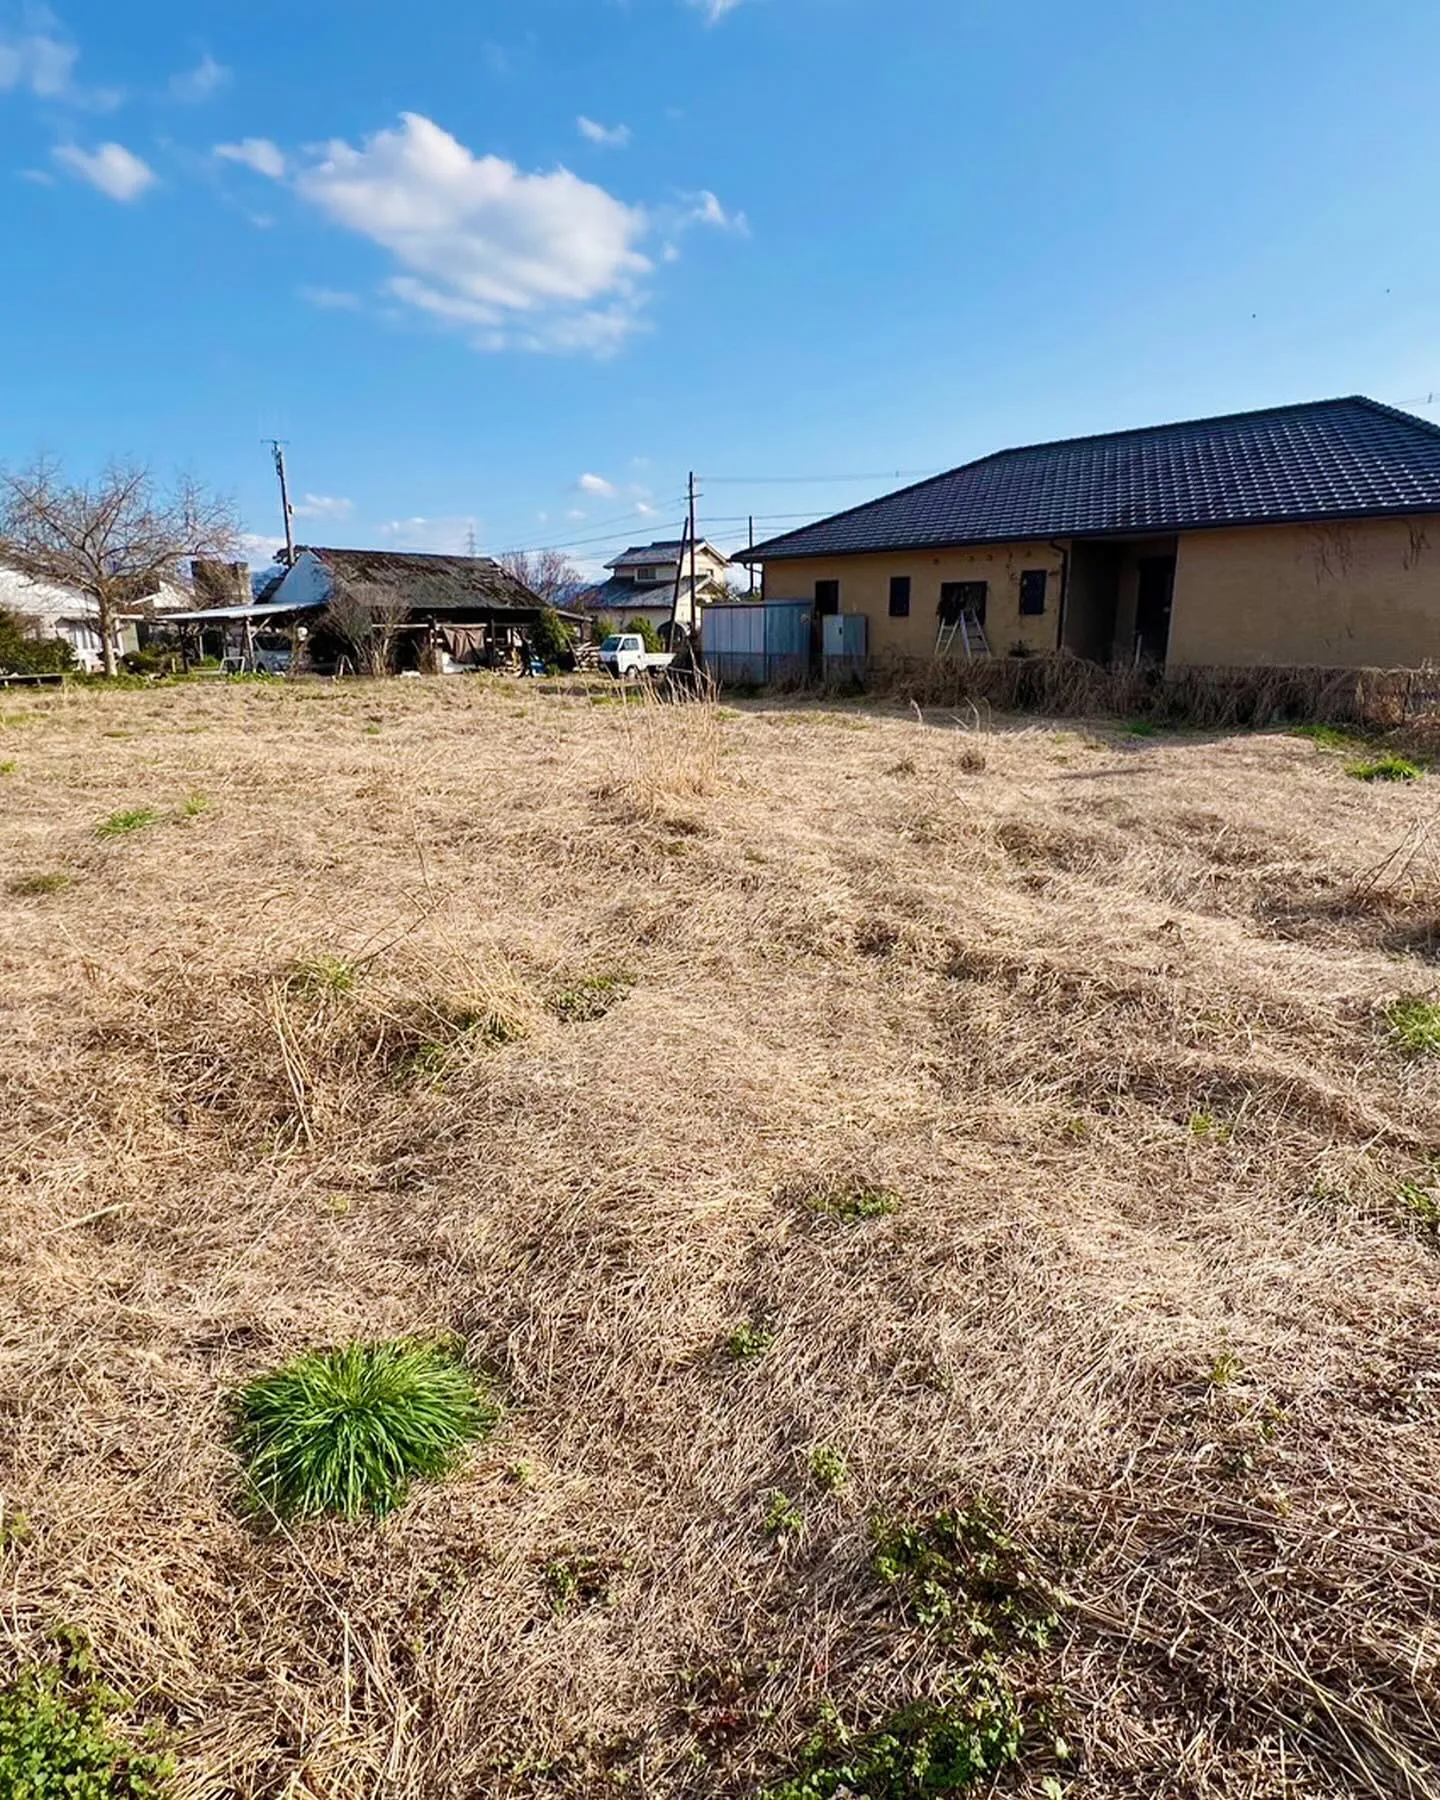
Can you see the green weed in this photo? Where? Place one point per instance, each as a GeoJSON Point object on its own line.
{"type": "Point", "coordinates": [747, 1342]}
{"type": "Point", "coordinates": [573, 1581]}
{"type": "Point", "coordinates": [344, 1432]}
{"type": "Point", "coordinates": [9, 766]}
{"type": "Point", "coordinates": [57, 1741]}
{"type": "Point", "coordinates": [590, 998]}
{"type": "Point", "coordinates": [32, 886]}
{"type": "Point", "coordinates": [128, 819]}
{"type": "Point", "coordinates": [961, 1567]}
{"type": "Point", "coordinates": [1141, 728]}
{"type": "Point", "coordinates": [1225, 1369]}
{"type": "Point", "coordinates": [929, 1749]}
{"type": "Point", "coordinates": [15, 1530]}
{"type": "Point", "coordinates": [852, 1205]}
{"type": "Point", "coordinates": [782, 1516]}
{"type": "Point", "coordinates": [1386, 768]}
{"type": "Point", "coordinates": [1206, 1126]}
{"type": "Point", "coordinates": [193, 805]}
{"type": "Point", "coordinates": [1420, 1205]}
{"type": "Point", "coordinates": [828, 1468]}
{"type": "Point", "coordinates": [1415, 1023]}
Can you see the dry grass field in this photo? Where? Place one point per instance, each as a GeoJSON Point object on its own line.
{"type": "Point", "coordinates": [804, 1117]}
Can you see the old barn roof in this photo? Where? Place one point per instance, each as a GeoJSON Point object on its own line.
{"type": "Point", "coordinates": [429, 582]}
{"type": "Point", "coordinates": [1328, 459]}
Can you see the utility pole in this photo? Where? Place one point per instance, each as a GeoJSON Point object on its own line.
{"type": "Point", "coordinates": [278, 449]}
{"type": "Point", "coordinates": [751, 566]}
{"type": "Point", "coordinates": [693, 619]}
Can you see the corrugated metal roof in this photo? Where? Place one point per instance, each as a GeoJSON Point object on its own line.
{"type": "Point", "coordinates": [1328, 459]}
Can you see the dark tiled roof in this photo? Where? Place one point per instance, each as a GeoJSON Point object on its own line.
{"type": "Point", "coordinates": [663, 552]}
{"type": "Point", "coordinates": [430, 582]}
{"type": "Point", "coordinates": [1331, 459]}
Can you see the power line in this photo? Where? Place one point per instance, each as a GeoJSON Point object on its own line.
{"type": "Point", "coordinates": [819, 480]}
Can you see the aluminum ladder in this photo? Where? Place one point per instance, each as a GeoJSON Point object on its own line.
{"type": "Point", "coordinates": [965, 627]}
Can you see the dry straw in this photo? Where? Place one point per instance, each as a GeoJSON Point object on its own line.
{"type": "Point", "coordinates": [1101, 1016]}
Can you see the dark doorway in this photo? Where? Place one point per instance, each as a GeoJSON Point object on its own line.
{"type": "Point", "coordinates": [962, 600]}
{"type": "Point", "coordinates": [1153, 600]}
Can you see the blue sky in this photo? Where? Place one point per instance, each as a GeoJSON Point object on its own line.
{"type": "Point", "coordinates": [524, 263]}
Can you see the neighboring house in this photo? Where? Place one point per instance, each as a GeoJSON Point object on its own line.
{"type": "Point", "coordinates": [642, 584]}
{"type": "Point", "coordinates": [453, 611]}
{"type": "Point", "coordinates": [1301, 535]}
{"type": "Point", "coordinates": [64, 612]}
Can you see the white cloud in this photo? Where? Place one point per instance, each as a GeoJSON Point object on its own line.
{"type": "Point", "coordinates": [38, 62]}
{"type": "Point", "coordinates": [258, 547]}
{"type": "Point", "coordinates": [597, 484]}
{"type": "Point", "coordinates": [705, 209]}
{"type": "Point", "coordinates": [199, 83]}
{"type": "Point", "coordinates": [112, 168]}
{"type": "Point", "coordinates": [541, 261]}
{"type": "Point", "coordinates": [331, 299]}
{"type": "Point", "coordinates": [644, 510]}
{"type": "Point", "coordinates": [611, 137]}
{"type": "Point", "coordinates": [714, 10]}
{"type": "Point", "coordinates": [574, 514]}
{"type": "Point", "coordinates": [258, 154]}
{"type": "Point", "coordinates": [324, 506]}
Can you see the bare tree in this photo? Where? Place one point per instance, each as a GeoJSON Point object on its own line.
{"type": "Point", "coordinates": [367, 616]}
{"type": "Point", "coordinates": [114, 540]}
{"type": "Point", "coordinates": [548, 573]}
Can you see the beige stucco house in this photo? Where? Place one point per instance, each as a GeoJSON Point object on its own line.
{"type": "Point", "coordinates": [1302, 535]}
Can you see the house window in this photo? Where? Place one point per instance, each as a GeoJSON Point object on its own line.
{"type": "Point", "coordinates": [963, 600]}
{"type": "Point", "coordinates": [1032, 592]}
{"type": "Point", "coordinates": [647, 574]}
{"type": "Point", "coordinates": [827, 597]}
{"type": "Point", "coordinates": [899, 596]}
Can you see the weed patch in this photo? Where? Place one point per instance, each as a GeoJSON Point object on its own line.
{"type": "Point", "coordinates": [929, 1749]}
{"type": "Point", "coordinates": [1385, 768]}
{"type": "Point", "coordinates": [193, 805]}
{"type": "Point", "coordinates": [782, 1518]}
{"type": "Point", "coordinates": [590, 998]}
{"type": "Point", "coordinates": [748, 1342]}
{"type": "Point", "coordinates": [1420, 1206]}
{"type": "Point", "coordinates": [31, 887]}
{"type": "Point", "coordinates": [1415, 1023]}
{"type": "Point", "coordinates": [316, 975]}
{"type": "Point", "coordinates": [9, 766]}
{"type": "Point", "coordinates": [1329, 737]}
{"type": "Point", "coordinates": [128, 819]}
{"type": "Point", "coordinates": [344, 1432]}
{"type": "Point", "coordinates": [573, 1581]}
{"type": "Point", "coordinates": [962, 1568]}
{"type": "Point", "coordinates": [850, 1205]}
{"type": "Point", "coordinates": [58, 1742]}
{"type": "Point", "coordinates": [828, 1469]}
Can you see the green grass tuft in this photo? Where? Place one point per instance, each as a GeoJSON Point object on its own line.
{"type": "Point", "coordinates": [344, 1432]}
{"type": "Point", "coordinates": [193, 805]}
{"type": "Point", "coordinates": [922, 1752]}
{"type": "Point", "coordinates": [1141, 728]}
{"type": "Point", "coordinates": [32, 886]}
{"type": "Point", "coordinates": [128, 819]}
{"type": "Point", "coordinates": [1329, 737]}
{"type": "Point", "coordinates": [57, 1742]}
{"type": "Point", "coordinates": [323, 975]}
{"type": "Point", "coordinates": [9, 766]}
{"type": "Point", "coordinates": [1415, 1022]}
{"type": "Point", "coordinates": [1386, 768]}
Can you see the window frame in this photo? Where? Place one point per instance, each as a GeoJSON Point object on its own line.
{"type": "Point", "coordinates": [1034, 607]}
{"type": "Point", "coordinates": [953, 595]}
{"type": "Point", "coordinates": [822, 611]}
{"type": "Point", "coordinates": [900, 591]}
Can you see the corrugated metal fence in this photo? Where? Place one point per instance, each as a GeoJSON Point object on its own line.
{"type": "Point", "coordinates": [757, 644]}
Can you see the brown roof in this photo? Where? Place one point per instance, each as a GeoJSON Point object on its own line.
{"type": "Point", "coordinates": [430, 582]}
